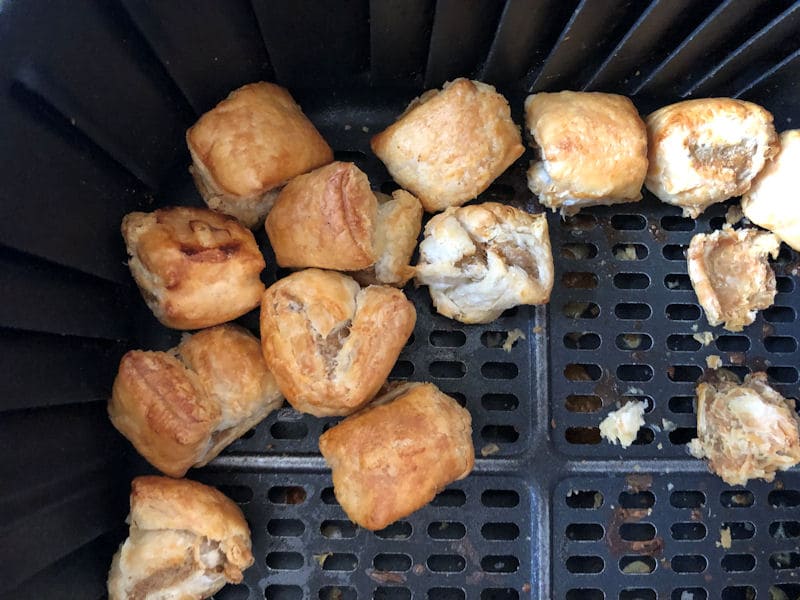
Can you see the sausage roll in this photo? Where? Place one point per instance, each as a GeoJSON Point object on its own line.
{"type": "Point", "coordinates": [772, 200]}
{"type": "Point", "coordinates": [449, 145]}
{"type": "Point", "coordinates": [249, 145]}
{"type": "Point", "coordinates": [707, 150]}
{"type": "Point", "coordinates": [731, 276]}
{"type": "Point", "coordinates": [183, 407]}
{"type": "Point", "coordinates": [592, 147]}
{"type": "Point", "coordinates": [482, 259]}
{"type": "Point", "coordinates": [186, 540]}
{"type": "Point", "coordinates": [195, 267]}
{"type": "Point", "coordinates": [745, 431]}
{"type": "Point", "coordinates": [330, 343]}
{"type": "Point", "coordinates": [394, 456]}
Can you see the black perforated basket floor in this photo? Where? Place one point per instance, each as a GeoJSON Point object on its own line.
{"type": "Point", "coordinates": [92, 126]}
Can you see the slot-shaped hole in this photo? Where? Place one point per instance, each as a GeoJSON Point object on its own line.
{"type": "Point", "coordinates": [738, 563]}
{"type": "Point", "coordinates": [738, 592]}
{"type": "Point", "coordinates": [779, 344]}
{"type": "Point", "coordinates": [500, 402]}
{"type": "Point", "coordinates": [689, 563]}
{"type": "Point", "coordinates": [328, 496]}
{"type": "Point", "coordinates": [289, 430]}
{"type": "Point", "coordinates": [688, 531]}
{"type": "Point", "coordinates": [498, 370]}
{"type": "Point", "coordinates": [500, 531]}
{"type": "Point", "coordinates": [494, 339]}
{"type": "Point", "coordinates": [284, 561]}
{"type": "Point", "coordinates": [399, 530]}
{"type": "Point", "coordinates": [241, 494]}
{"type": "Point", "coordinates": [584, 499]}
{"type": "Point", "coordinates": [683, 312]}
{"type": "Point", "coordinates": [411, 339]}
{"type": "Point", "coordinates": [402, 368]}
{"type": "Point", "coordinates": [340, 561]}
{"type": "Point", "coordinates": [585, 564]}
{"type": "Point", "coordinates": [623, 222]}
{"type": "Point", "coordinates": [579, 280]}
{"type": "Point", "coordinates": [682, 343]}
{"type": "Point", "coordinates": [449, 497]}
{"type": "Point", "coordinates": [585, 532]}
{"type": "Point", "coordinates": [631, 281]}
{"type": "Point", "coordinates": [446, 530]}
{"type": "Point", "coordinates": [585, 594]}
{"type": "Point", "coordinates": [582, 372]}
{"type": "Point", "coordinates": [581, 310]}
{"type": "Point", "coordinates": [782, 374]}
{"type": "Point", "coordinates": [286, 494]}
{"type": "Point", "coordinates": [740, 530]}
{"type": "Point", "coordinates": [785, 255]}
{"type": "Point", "coordinates": [637, 532]}
{"type": "Point", "coordinates": [447, 369]}
{"type": "Point", "coordinates": [509, 312]}
{"type": "Point", "coordinates": [687, 499]}
{"type": "Point", "coordinates": [675, 251]}
{"type": "Point", "coordinates": [283, 592]}
{"type": "Point", "coordinates": [500, 434]}
{"type": "Point", "coordinates": [580, 222]}
{"type": "Point", "coordinates": [581, 340]}
{"type": "Point", "coordinates": [784, 498]}
{"type": "Point", "coordinates": [578, 251]}
{"type": "Point", "coordinates": [637, 500]}
{"type": "Point", "coordinates": [446, 594]}
{"type": "Point", "coordinates": [716, 223]}
{"type": "Point", "coordinates": [677, 281]}
{"type": "Point", "coordinates": [681, 404]}
{"type": "Point", "coordinates": [448, 339]}
{"type": "Point", "coordinates": [337, 529]}
{"type": "Point", "coordinates": [446, 563]}
{"type": "Point", "coordinates": [736, 499]}
{"type": "Point", "coordinates": [504, 563]}
{"type": "Point", "coordinates": [627, 252]}
{"type": "Point", "coordinates": [392, 562]}
{"type": "Point", "coordinates": [583, 403]}
{"type": "Point", "coordinates": [784, 591]}
{"type": "Point", "coordinates": [499, 498]}
{"type": "Point", "coordinates": [638, 594]}
{"type": "Point", "coordinates": [391, 593]}
{"type": "Point", "coordinates": [338, 592]}
{"type": "Point", "coordinates": [784, 285]}
{"type": "Point", "coordinates": [689, 594]}
{"type": "Point", "coordinates": [286, 527]}
{"type": "Point", "coordinates": [688, 373]}
{"type": "Point", "coordinates": [637, 564]}
{"type": "Point", "coordinates": [677, 223]}
{"type": "Point", "coordinates": [784, 530]}
{"type": "Point", "coordinates": [349, 155]}
{"type": "Point", "coordinates": [779, 314]}
{"type": "Point", "coordinates": [733, 343]}
{"type": "Point", "coordinates": [784, 560]}
{"type": "Point", "coordinates": [634, 372]}
{"type": "Point", "coordinates": [499, 594]}
{"type": "Point", "coordinates": [248, 434]}
{"type": "Point", "coordinates": [682, 435]}
{"type": "Point", "coordinates": [633, 311]}
{"type": "Point", "coordinates": [582, 435]}
{"type": "Point", "coordinates": [741, 371]}
{"type": "Point", "coordinates": [634, 341]}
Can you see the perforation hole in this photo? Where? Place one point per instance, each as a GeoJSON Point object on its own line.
{"type": "Point", "coordinates": [578, 251]}
{"type": "Point", "coordinates": [285, 527]}
{"type": "Point", "coordinates": [449, 339]}
{"type": "Point", "coordinates": [784, 591]}
{"type": "Point", "coordinates": [449, 497]}
{"type": "Point", "coordinates": [631, 281]}
{"type": "Point", "coordinates": [582, 372]}
{"type": "Point", "coordinates": [784, 498]}
{"type": "Point", "coordinates": [739, 370]}
{"type": "Point", "coordinates": [780, 344]}
{"type": "Point", "coordinates": [677, 223]}
{"type": "Point", "coordinates": [689, 563]}
{"type": "Point", "coordinates": [687, 499]}
{"type": "Point", "coordinates": [446, 530]}
{"type": "Point", "coordinates": [499, 402]}
{"type": "Point", "coordinates": [581, 310]}
{"type": "Point", "coordinates": [248, 434]}
{"type": "Point", "coordinates": [392, 562]}
{"type": "Point", "coordinates": [241, 494]}
{"type": "Point", "coordinates": [494, 339]}
{"type": "Point", "coordinates": [446, 563]}
{"type": "Point", "coordinates": [291, 494]}
{"type": "Point", "coordinates": [499, 498]}
{"type": "Point", "coordinates": [682, 343]}
{"type": "Point", "coordinates": [688, 531]}
{"type": "Point", "coordinates": [580, 340]}
{"type": "Point", "coordinates": [675, 252]}
{"type": "Point", "coordinates": [779, 314]}
{"type": "Point", "coordinates": [740, 530]}
{"type": "Point", "coordinates": [284, 561]}
{"type": "Point", "coordinates": [688, 373]}
{"type": "Point", "coordinates": [349, 155]}
{"type": "Point", "coordinates": [733, 343]}
{"type": "Point", "coordinates": [681, 404]}
{"type": "Point", "coordinates": [337, 593]}
{"type": "Point", "coordinates": [628, 252]}
{"type": "Point", "coordinates": [499, 370]}
{"type": "Point", "coordinates": [634, 372]}
{"type": "Point", "coordinates": [784, 285]}
{"type": "Point", "coordinates": [288, 430]}
{"type": "Point", "coordinates": [399, 530]}
{"type": "Point", "coordinates": [634, 341]}
{"type": "Point", "coordinates": [579, 280]}
{"type": "Point", "coordinates": [580, 222]}
{"type": "Point", "coordinates": [637, 532]}
{"type": "Point", "coordinates": [637, 564]}
{"type": "Point", "coordinates": [628, 222]}
{"type": "Point", "coordinates": [782, 374]}
{"type": "Point", "coordinates": [583, 403]}
{"type": "Point", "coordinates": [500, 531]}
{"type": "Point", "coordinates": [677, 281]}
{"type": "Point", "coordinates": [682, 435]}
{"type": "Point", "coordinates": [637, 594]}
{"type": "Point", "coordinates": [337, 529]}
{"type": "Point", "coordinates": [784, 560]}
{"type": "Point", "coordinates": [632, 311]}
{"type": "Point", "coordinates": [637, 500]}
{"type": "Point", "coordinates": [447, 369]}
{"type": "Point", "coordinates": [585, 594]}
{"type": "Point", "coordinates": [585, 564]}
{"type": "Point", "coordinates": [446, 594]}
{"type": "Point", "coordinates": [784, 530]}
{"type": "Point", "coordinates": [683, 312]}
{"type": "Point", "coordinates": [785, 255]}
{"type": "Point", "coordinates": [738, 563]}
{"type": "Point", "coordinates": [500, 564]}
{"type": "Point", "coordinates": [584, 499]}
{"type": "Point", "coordinates": [738, 592]}
{"type": "Point", "coordinates": [500, 434]}
{"type": "Point", "coordinates": [716, 223]}
{"type": "Point", "coordinates": [583, 435]}
{"type": "Point", "coordinates": [391, 593]}
{"type": "Point", "coordinates": [499, 594]}
{"type": "Point", "coordinates": [339, 561]}
{"type": "Point", "coordinates": [283, 592]}
{"type": "Point", "coordinates": [584, 532]}
{"type": "Point", "coordinates": [736, 499]}
{"type": "Point", "coordinates": [402, 368]}
{"type": "Point", "coordinates": [689, 594]}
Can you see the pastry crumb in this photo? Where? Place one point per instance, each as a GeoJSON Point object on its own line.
{"type": "Point", "coordinates": [626, 253]}
{"type": "Point", "coordinates": [713, 361]}
{"type": "Point", "coordinates": [511, 339]}
{"type": "Point", "coordinates": [622, 425]}
{"type": "Point", "coordinates": [668, 425]}
{"type": "Point", "coordinates": [637, 567]}
{"type": "Point", "coordinates": [660, 446]}
{"type": "Point", "coordinates": [704, 337]}
{"type": "Point", "coordinates": [734, 214]}
{"type": "Point", "coordinates": [724, 538]}
{"type": "Point", "coordinates": [537, 330]}
{"type": "Point", "coordinates": [489, 449]}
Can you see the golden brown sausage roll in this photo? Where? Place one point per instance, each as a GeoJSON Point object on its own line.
{"type": "Point", "coordinates": [394, 456]}
{"type": "Point", "coordinates": [183, 407]}
{"type": "Point", "coordinates": [195, 267]}
{"type": "Point", "coordinates": [450, 145]}
{"type": "Point", "coordinates": [592, 146]}
{"type": "Point", "coordinates": [731, 276]}
{"type": "Point", "coordinates": [771, 202]}
{"type": "Point", "coordinates": [745, 431]}
{"type": "Point", "coordinates": [249, 145]}
{"type": "Point", "coordinates": [707, 150]}
{"type": "Point", "coordinates": [482, 259]}
{"type": "Point", "coordinates": [186, 540]}
{"type": "Point", "coordinates": [330, 343]}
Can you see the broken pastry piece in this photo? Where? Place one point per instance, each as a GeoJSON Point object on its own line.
{"type": "Point", "coordinates": [330, 343]}
{"type": "Point", "coordinates": [731, 276]}
{"type": "Point", "coordinates": [181, 408]}
{"type": "Point", "coordinates": [622, 425]}
{"type": "Point", "coordinates": [482, 259]}
{"type": "Point", "coordinates": [393, 457]}
{"type": "Point", "coordinates": [248, 146]}
{"type": "Point", "coordinates": [195, 267]}
{"type": "Point", "coordinates": [771, 202]}
{"type": "Point", "coordinates": [745, 431]}
{"type": "Point", "coordinates": [707, 150]}
{"type": "Point", "coordinates": [592, 146]}
{"type": "Point", "coordinates": [450, 145]}
{"type": "Point", "coordinates": [186, 540]}
{"type": "Point", "coordinates": [331, 219]}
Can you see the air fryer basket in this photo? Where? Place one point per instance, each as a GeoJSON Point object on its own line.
{"type": "Point", "coordinates": [96, 98]}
